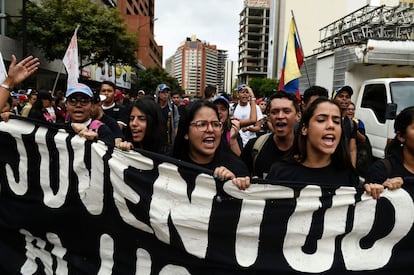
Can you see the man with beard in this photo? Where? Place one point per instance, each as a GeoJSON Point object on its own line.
{"type": "Point", "coordinates": [260, 153]}
{"type": "Point", "coordinates": [343, 98]}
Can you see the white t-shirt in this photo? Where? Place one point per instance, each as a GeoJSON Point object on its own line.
{"type": "Point", "coordinates": [242, 113]}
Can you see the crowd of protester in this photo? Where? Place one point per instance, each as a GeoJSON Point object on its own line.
{"type": "Point", "coordinates": [276, 138]}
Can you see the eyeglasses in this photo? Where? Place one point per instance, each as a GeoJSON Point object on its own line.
{"type": "Point", "coordinates": [83, 101]}
{"type": "Point", "coordinates": [202, 125]}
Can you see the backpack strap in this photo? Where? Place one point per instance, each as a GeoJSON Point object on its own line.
{"type": "Point", "coordinates": [95, 124]}
{"type": "Point", "coordinates": [257, 147]}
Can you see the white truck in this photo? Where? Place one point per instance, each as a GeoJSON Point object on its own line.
{"type": "Point", "coordinates": [377, 103]}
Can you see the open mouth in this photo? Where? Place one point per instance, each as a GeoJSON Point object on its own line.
{"type": "Point", "coordinates": [329, 140]}
{"type": "Point", "coordinates": [209, 141]}
{"type": "Point", "coordinates": [281, 125]}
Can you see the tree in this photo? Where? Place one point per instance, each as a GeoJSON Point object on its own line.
{"type": "Point", "coordinates": [102, 34]}
{"type": "Point", "coordinates": [264, 86]}
{"type": "Point", "coordinates": [149, 79]}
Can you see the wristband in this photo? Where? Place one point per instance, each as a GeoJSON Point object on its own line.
{"type": "Point", "coordinates": [7, 87]}
{"type": "Point", "coordinates": [253, 99]}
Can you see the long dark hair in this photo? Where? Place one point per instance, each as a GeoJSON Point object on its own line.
{"type": "Point", "coordinates": [340, 158]}
{"type": "Point", "coordinates": [402, 121]}
{"type": "Point", "coordinates": [181, 145]}
{"type": "Point", "coordinates": [155, 138]}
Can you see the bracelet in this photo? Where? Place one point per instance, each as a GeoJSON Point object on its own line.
{"type": "Point", "coordinates": [7, 87]}
{"type": "Point", "coordinates": [253, 99]}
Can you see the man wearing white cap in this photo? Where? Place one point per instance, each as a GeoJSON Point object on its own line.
{"type": "Point", "coordinates": [79, 107]}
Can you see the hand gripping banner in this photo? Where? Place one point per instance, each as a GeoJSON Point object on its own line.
{"type": "Point", "coordinates": [70, 206]}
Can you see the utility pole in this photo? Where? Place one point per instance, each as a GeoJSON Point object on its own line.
{"type": "Point", "coordinates": [24, 22]}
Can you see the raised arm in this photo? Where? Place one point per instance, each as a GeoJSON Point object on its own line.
{"type": "Point", "coordinates": [16, 74]}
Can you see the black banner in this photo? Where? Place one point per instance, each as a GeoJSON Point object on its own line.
{"type": "Point", "coordinates": [70, 206]}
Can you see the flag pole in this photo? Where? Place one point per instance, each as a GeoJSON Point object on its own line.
{"type": "Point", "coordinates": [56, 80]}
{"type": "Point", "coordinates": [301, 47]}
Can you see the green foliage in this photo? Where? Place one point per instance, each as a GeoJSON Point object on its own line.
{"type": "Point", "coordinates": [101, 36]}
{"type": "Point", "coordinates": [149, 79]}
{"type": "Point", "coordinates": [264, 86]}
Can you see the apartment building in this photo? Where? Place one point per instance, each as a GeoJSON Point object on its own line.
{"type": "Point", "coordinates": [139, 18]}
{"type": "Point", "coordinates": [197, 64]}
{"type": "Point", "coordinates": [253, 40]}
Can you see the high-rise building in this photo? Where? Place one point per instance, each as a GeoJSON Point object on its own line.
{"type": "Point", "coordinates": [221, 65]}
{"type": "Point", "coordinates": [230, 77]}
{"type": "Point", "coordinates": [253, 40]}
{"type": "Point", "coordinates": [197, 64]}
{"type": "Point", "coordinates": [139, 18]}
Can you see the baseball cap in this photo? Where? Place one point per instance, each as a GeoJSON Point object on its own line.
{"type": "Point", "coordinates": [241, 87]}
{"type": "Point", "coordinates": [163, 87]}
{"type": "Point", "coordinates": [98, 97]}
{"type": "Point", "coordinates": [23, 97]}
{"type": "Point", "coordinates": [344, 89]}
{"type": "Point", "coordinates": [141, 92]}
{"type": "Point", "coordinates": [79, 88]}
{"type": "Point", "coordinates": [118, 94]}
{"type": "Point", "coordinates": [221, 99]}
{"type": "Point", "coordinates": [44, 94]}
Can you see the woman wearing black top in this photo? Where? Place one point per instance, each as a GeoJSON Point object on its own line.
{"type": "Point", "coordinates": [319, 154]}
{"type": "Point", "coordinates": [39, 109]}
{"type": "Point", "coordinates": [398, 167]}
{"type": "Point", "coordinates": [198, 141]}
{"type": "Point", "coordinates": [146, 127]}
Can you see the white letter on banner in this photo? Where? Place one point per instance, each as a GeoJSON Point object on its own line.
{"type": "Point", "coordinates": [174, 269]}
{"type": "Point", "coordinates": [91, 184]}
{"type": "Point", "coordinates": [50, 199]}
{"type": "Point", "coordinates": [379, 254]}
{"type": "Point", "coordinates": [299, 226]}
{"type": "Point", "coordinates": [106, 251]}
{"type": "Point", "coordinates": [122, 192]}
{"type": "Point", "coordinates": [16, 129]}
{"type": "Point", "coordinates": [251, 216]}
{"type": "Point", "coordinates": [39, 252]}
{"type": "Point", "coordinates": [190, 218]}
{"type": "Point", "coordinates": [143, 265]}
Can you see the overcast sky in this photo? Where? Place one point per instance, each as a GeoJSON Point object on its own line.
{"type": "Point", "coordinates": [213, 21]}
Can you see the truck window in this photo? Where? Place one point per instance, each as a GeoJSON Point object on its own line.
{"type": "Point", "coordinates": [375, 98]}
{"type": "Point", "coordinates": [402, 93]}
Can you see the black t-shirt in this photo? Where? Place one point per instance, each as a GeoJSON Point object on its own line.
{"type": "Point", "coordinates": [113, 126]}
{"type": "Point", "coordinates": [378, 173]}
{"type": "Point", "coordinates": [226, 159]}
{"type": "Point", "coordinates": [119, 113]}
{"type": "Point", "coordinates": [328, 175]}
{"type": "Point", "coordinates": [350, 129]}
{"type": "Point", "coordinates": [105, 134]}
{"type": "Point", "coordinates": [268, 155]}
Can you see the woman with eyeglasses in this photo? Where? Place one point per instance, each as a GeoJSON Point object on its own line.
{"type": "Point", "coordinates": [79, 108]}
{"type": "Point", "coordinates": [198, 141]}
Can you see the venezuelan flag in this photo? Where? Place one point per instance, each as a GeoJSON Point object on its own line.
{"type": "Point", "coordinates": [292, 61]}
